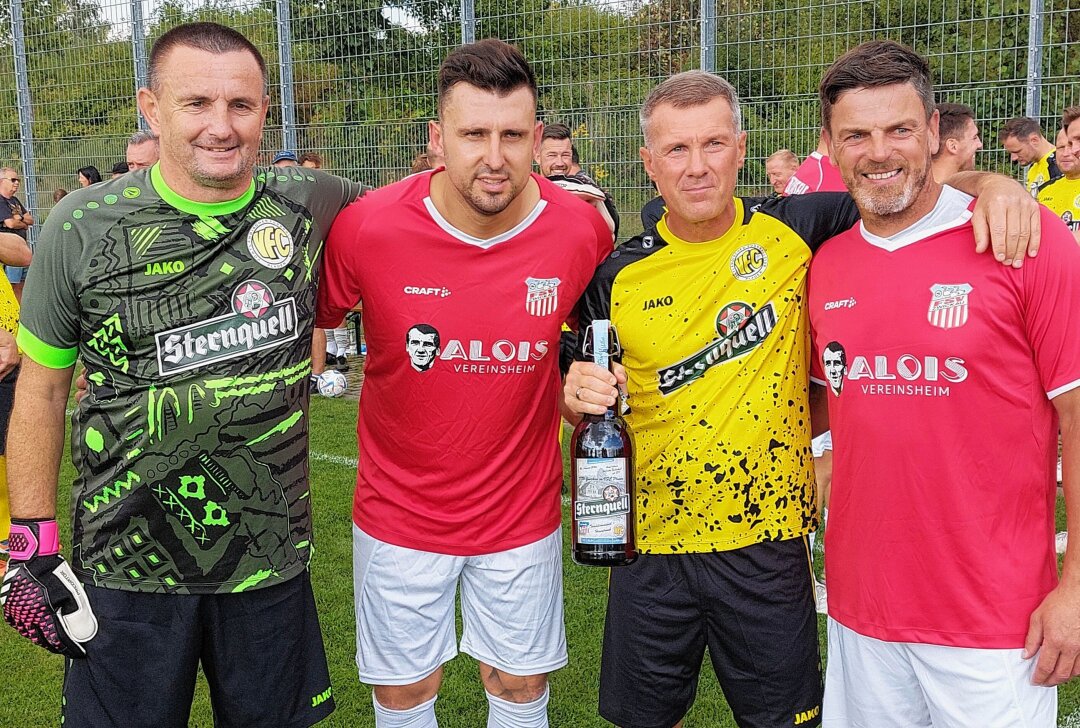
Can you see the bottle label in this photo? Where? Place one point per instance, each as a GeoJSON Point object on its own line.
{"type": "Point", "coordinates": [601, 503]}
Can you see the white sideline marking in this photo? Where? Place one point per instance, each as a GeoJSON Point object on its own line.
{"type": "Point", "coordinates": [335, 459]}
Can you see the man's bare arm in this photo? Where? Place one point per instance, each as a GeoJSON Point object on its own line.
{"type": "Point", "coordinates": [35, 441]}
{"type": "Point", "coordinates": [14, 250]}
{"type": "Point", "coordinates": [819, 409]}
{"type": "Point", "coordinates": [1006, 216]}
{"type": "Point", "coordinates": [1054, 630]}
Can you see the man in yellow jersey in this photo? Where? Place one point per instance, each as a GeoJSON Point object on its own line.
{"type": "Point", "coordinates": [709, 305]}
{"type": "Point", "coordinates": [15, 252]}
{"type": "Point", "coordinates": [1023, 139]}
{"type": "Point", "coordinates": [1063, 194]}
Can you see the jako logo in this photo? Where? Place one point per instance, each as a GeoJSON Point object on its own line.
{"type": "Point", "coordinates": [805, 715]}
{"type": "Point", "coordinates": [430, 291]}
{"type": "Point", "coordinates": [164, 268]}
{"type": "Point", "coordinates": [657, 303]}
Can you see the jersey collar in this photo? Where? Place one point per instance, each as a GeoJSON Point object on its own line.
{"type": "Point", "coordinates": [673, 239]}
{"type": "Point", "coordinates": [183, 204]}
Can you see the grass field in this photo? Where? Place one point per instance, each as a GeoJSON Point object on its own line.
{"type": "Point", "coordinates": [30, 692]}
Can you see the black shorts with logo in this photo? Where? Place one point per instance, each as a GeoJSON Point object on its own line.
{"type": "Point", "coordinates": [752, 607]}
{"type": "Point", "coordinates": [261, 651]}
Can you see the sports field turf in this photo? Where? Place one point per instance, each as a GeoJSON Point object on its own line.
{"type": "Point", "coordinates": [30, 686]}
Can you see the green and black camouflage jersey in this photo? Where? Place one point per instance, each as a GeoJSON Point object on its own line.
{"type": "Point", "coordinates": [194, 322]}
{"type": "Point", "coordinates": [714, 339]}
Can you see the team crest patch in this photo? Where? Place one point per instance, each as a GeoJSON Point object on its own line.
{"type": "Point", "coordinates": [949, 305]}
{"type": "Point", "coordinates": [749, 262]}
{"type": "Point", "coordinates": [542, 296]}
{"type": "Point", "coordinates": [270, 243]}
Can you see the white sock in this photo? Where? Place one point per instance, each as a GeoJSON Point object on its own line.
{"type": "Point", "coordinates": [504, 714]}
{"type": "Point", "coordinates": [422, 716]}
{"type": "Point", "coordinates": [331, 343]}
{"type": "Point", "coordinates": [341, 336]}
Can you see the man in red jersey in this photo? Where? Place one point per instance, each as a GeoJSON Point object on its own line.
{"type": "Point", "coordinates": [817, 173]}
{"type": "Point", "coordinates": [944, 600]}
{"type": "Point", "coordinates": [474, 267]}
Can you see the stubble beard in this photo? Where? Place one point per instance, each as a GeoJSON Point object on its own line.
{"type": "Point", "coordinates": [885, 203]}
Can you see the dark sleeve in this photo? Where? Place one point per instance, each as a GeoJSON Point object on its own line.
{"type": "Point", "coordinates": [814, 217]}
{"type": "Point", "coordinates": [1053, 168]}
{"type": "Point", "coordinates": [595, 302]}
{"type": "Point", "coordinates": [652, 212]}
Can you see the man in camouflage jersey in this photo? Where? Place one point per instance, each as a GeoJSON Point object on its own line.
{"type": "Point", "coordinates": [188, 291]}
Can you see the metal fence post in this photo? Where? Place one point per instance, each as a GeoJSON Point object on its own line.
{"type": "Point", "coordinates": [26, 112]}
{"type": "Point", "coordinates": [285, 77]}
{"type": "Point", "coordinates": [138, 53]}
{"type": "Point", "coordinates": [468, 22]}
{"type": "Point", "coordinates": [1033, 92]}
{"type": "Point", "coordinates": [708, 35]}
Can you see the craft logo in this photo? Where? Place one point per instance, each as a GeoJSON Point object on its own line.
{"type": "Point", "coordinates": [741, 329]}
{"type": "Point", "coordinates": [542, 296]}
{"type": "Point", "coordinates": [749, 262]}
{"type": "Point", "coordinates": [270, 243]}
{"type": "Point", "coordinates": [256, 322]}
{"type": "Point", "coordinates": [949, 305]}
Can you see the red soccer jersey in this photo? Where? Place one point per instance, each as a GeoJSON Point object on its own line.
{"type": "Point", "coordinates": [941, 365]}
{"type": "Point", "coordinates": [816, 174]}
{"type": "Point", "coordinates": [459, 411]}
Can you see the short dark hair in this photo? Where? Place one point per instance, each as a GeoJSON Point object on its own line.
{"type": "Point", "coordinates": [312, 157]}
{"type": "Point", "coordinates": [209, 37]}
{"type": "Point", "coordinates": [120, 168]}
{"type": "Point", "coordinates": [1020, 127]}
{"type": "Point", "coordinates": [556, 131]}
{"type": "Point", "coordinates": [91, 173]}
{"type": "Point", "coordinates": [953, 120]}
{"type": "Point", "coordinates": [834, 347]}
{"type": "Point", "coordinates": [574, 155]}
{"type": "Point", "coordinates": [426, 330]}
{"type": "Point", "coordinates": [490, 65]}
{"type": "Point", "coordinates": [1069, 115]}
{"type": "Point", "coordinates": [875, 64]}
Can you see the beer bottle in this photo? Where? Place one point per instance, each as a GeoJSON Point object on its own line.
{"type": "Point", "coordinates": [602, 474]}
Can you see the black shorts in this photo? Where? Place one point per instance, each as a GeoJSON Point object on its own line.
{"type": "Point", "coordinates": [752, 607]}
{"type": "Point", "coordinates": [261, 651]}
{"type": "Point", "coordinates": [7, 401]}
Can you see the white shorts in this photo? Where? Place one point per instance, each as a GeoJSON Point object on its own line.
{"type": "Point", "coordinates": [511, 607]}
{"type": "Point", "coordinates": [874, 684]}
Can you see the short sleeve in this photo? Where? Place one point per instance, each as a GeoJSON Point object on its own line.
{"type": "Point", "coordinates": [339, 283]}
{"type": "Point", "coordinates": [49, 323]}
{"type": "Point", "coordinates": [1051, 294]}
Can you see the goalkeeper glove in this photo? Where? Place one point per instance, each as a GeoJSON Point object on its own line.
{"type": "Point", "coordinates": [40, 595]}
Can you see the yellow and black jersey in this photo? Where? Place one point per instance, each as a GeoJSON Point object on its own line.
{"type": "Point", "coordinates": [714, 338]}
{"type": "Point", "coordinates": [9, 306]}
{"type": "Point", "coordinates": [1041, 171]}
{"type": "Point", "coordinates": [1062, 196]}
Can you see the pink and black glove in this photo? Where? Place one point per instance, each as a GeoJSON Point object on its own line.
{"type": "Point", "coordinates": [40, 595]}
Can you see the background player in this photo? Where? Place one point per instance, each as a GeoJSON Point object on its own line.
{"type": "Point", "coordinates": [959, 141]}
{"type": "Point", "coordinates": [1023, 139]}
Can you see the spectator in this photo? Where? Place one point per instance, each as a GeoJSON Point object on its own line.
{"type": "Point", "coordinates": [555, 159]}
{"type": "Point", "coordinates": [143, 150]}
{"type": "Point", "coordinates": [118, 169]}
{"type": "Point", "coordinates": [17, 219]}
{"type": "Point", "coordinates": [88, 175]}
{"type": "Point", "coordinates": [284, 159]}
{"type": "Point", "coordinates": [779, 168]}
{"type": "Point", "coordinates": [1023, 139]}
{"type": "Point", "coordinates": [958, 140]}
{"type": "Point", "coordinates": [311, 160]}
{"type": "Point", "coordinates": [58, 194]}
{"type": "Point", "coordinates": [420, 163]}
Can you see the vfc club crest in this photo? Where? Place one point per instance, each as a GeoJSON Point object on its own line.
{"type": "Point", "coordinates": [949, 305]}
{"type": "Point", "coordinates": [542, 296]}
